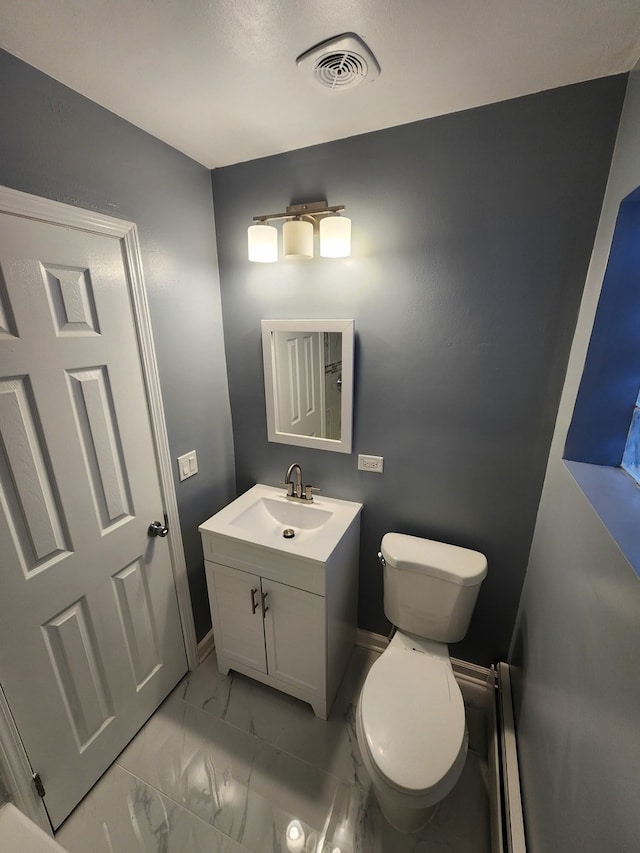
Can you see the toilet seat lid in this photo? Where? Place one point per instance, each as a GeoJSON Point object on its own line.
{"type": "Point", "coordinates": [413, 718]}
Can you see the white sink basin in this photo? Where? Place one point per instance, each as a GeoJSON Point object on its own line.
{"type": "Point", "coordinates": [269, 514]}
{"type": "Point", "coordinates": [263, 514]}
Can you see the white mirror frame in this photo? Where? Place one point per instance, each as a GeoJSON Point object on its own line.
{"type": "Point", "coordinates": [346, 327]}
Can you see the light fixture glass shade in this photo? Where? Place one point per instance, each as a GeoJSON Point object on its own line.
{"type": "Point", "coordinates": [263, 243]}
{"type": "Point", "coordinates": [295, 837]}
{"type": "Point", "coordinates": [335, 237]}
{"type": "Point", "coordinates": [297, 239]}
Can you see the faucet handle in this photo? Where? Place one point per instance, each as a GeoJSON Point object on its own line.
{"type": "Point", "coordinates": [289, 485]}
{"type": "Point", "coordinates": [308, 492]}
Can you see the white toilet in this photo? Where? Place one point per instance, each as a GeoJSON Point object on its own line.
{"type": "Point", "coordinates": [410, 720]}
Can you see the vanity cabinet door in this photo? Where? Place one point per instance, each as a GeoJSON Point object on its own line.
{"type": "Point", "coordinates": [237, 613]}
{"type": "Point", "coordinates": [295, 635]}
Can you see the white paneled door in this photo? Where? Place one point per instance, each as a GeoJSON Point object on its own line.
{"type": "Point", "coordinates": [300, 389]}
{"type": "Point", "coordinates": [90, 634]}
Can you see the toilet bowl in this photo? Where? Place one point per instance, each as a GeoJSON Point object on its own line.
{"type": "Point", "coordinates": [410, 721]}
{"type": "Point", "coordinates": [411, 728]}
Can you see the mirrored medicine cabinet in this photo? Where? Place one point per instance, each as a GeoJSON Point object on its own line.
{"type": "Point", "coordinates": [308, 382]}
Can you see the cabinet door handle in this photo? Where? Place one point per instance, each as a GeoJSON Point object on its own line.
{"type": "Point", "coordinates": [264, 605]}
{"type": "Point", "coordinates": [254, 603]}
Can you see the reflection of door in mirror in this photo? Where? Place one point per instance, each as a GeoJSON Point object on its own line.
{"type": "Point", "coordinates": [332, 383]}
{"type": "Point", "coordinates": [300, 390]}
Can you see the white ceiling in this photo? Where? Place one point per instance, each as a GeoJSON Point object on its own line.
{"type": "Point", "coordinates": [218, 80]}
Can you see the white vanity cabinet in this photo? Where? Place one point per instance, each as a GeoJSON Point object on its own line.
{"type": "Point", "coordinates": [281, 615]}
{"type": "Point", "coordinates": [269, 627]}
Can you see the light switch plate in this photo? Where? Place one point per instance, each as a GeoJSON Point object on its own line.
{"type": "Point", "coordinates": [187, 465]}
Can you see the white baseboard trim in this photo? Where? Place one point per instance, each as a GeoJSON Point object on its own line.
{"type": "Point", "coordinates": [205, 646]}
{"type": "Point", "coordinates": [471, 671]}
{"type": "Point", "coordinates": [371, 641]}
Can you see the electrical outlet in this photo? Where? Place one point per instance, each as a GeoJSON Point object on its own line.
{"type": "Point", "coordinates": [370, 463]}
{"type": "Point", "coordinates": [187, 465]}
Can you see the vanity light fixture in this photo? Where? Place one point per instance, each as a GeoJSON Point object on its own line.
{"type": "Point", "coordinates": [263, 244]}
{"type": "Point", "coordinates": [302, 222]}
{"type": "Point", "coordinates": [297, 239]}
{"type": "Point", "coordinates": [335, 237]}
{"type": "Point", "coordinates": [295, 837]}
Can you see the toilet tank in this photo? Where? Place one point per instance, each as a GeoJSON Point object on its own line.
{"type": "Point", "coordinates": [430, 588]}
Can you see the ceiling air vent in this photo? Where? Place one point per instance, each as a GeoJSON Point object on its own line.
{"type": "Point", "coordinates": [339, 63]}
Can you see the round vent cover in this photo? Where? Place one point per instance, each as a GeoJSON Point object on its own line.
{"type": "Point", "coordinates": [342, 70]}
{"type": "Point", "coordinates": [340, 63]}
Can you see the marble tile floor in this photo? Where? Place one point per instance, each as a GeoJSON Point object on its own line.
{"type": "Point", "coordinates": [226, 764]}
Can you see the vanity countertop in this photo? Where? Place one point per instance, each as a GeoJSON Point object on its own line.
{"type": "Point", "coordinates": [261, 515]}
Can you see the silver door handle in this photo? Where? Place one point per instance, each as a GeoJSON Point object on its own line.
{"type": "Point", "coordinates": [157, 528]}
{"type": "Point", "coordinates": [254, 603]}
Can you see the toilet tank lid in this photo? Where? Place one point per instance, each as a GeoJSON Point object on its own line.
{"type": "Point", "coordinates": [437, 559]}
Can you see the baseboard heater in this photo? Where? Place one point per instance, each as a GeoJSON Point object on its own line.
{"type": "Point", "coordinates": [509, 781]}
{"type": "Point", "coordinates": [491, 689]}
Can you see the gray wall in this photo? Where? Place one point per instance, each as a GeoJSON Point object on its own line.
{"type": "Point", "coordinates": [472, 234]}
{"type": "Point", "coordinates": [575, 654]}
{"type": "Point", "coordinates": [4, 794]}
{"type": "Point", "coordinates": [57, 144]}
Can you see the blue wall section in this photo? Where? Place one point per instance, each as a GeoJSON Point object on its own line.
{"type": "Point", "coordinates": [471, 239]}
{"type": "Point", "coordinates": [609, 386]}
{"type": "Point", "coordinates": [57, 144]}
{"type": "Point", "coordinates": [631, 456]}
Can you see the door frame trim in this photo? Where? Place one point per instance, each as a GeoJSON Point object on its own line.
{"type": "Point", "coordinates": [16, 770]}
{"type": "Point", "coordinates": [34, 207]}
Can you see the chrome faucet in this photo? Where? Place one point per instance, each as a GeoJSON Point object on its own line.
{"type": "Point", "coordinates": [293, 491]}
{"type": "Point", "coordinates": [296, 491]}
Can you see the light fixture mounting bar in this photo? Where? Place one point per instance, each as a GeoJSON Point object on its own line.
{"type": "Point", "coordinates": [313, 211]}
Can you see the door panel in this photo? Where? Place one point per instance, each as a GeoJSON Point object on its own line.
{"type": "Point", "coordinates": [136, 614]}
{"type": "Point", "coordinates": [90, 636]}
{"type": "Point", "coordinates": [294, 628]}
{"type": "Point", "coordinates": [300, 391]}
{"type": "Point", "coordinates": [235, 603]}
{"type": "Point", "coordinates": [72, 649]}
{"type": "Point", "coordinates": [28, 497]}
{"type": "Point", "coordinates": [92, 401]}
